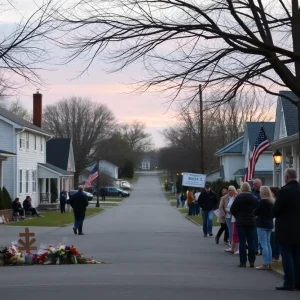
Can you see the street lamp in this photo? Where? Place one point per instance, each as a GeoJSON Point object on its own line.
{"type": "Point", "coordinates": [277, 158]}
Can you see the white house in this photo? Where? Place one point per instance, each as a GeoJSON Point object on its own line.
{"type": "Point", "coordinates": [234, 157]}
{"type": "Point", "coordinates": [286, 136]}
{"type": "Point", "coordinates": [26, 174]}
{"type": "Point", "coordinates": [146, 164]}
{"type": "Point", "coordinates": [105, 167]}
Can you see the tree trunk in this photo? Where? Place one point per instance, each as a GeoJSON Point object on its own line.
{"type": "Point", "coordinates": [296, 45]}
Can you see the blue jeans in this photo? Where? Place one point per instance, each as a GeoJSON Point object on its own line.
{"type": "Point", "coordinates": [264, 237]}
{"type": "Point", "coordinates": [275, 247]}
{"type": "Point", "coordinates": [78, 223]}
{"type": "Point", "coordinates": [197, 209]}
{"type": "Point", "coordinates": [229, 225]}
{"type": "Point", "coordinates": [177, 202]}
{"type": "Point", "coordinates": [291, 265]}
{"type": "Point", "coordinates": [247, 235]}
{"type": "Point", "coordinates": [207, 218]}
{"type": "Point", "coordinates": [191, 209]}
{"type": "Point", "coordinates": [182, 203]}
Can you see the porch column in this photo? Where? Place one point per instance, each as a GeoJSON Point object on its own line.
{"type": "Point", "coordinates": [283, 166]}
{"type": "Point", "coordinates": [43, 185]}
{"type": "Point", "coordinates": [58, 187]}
{"type": "Point", "coordinates": [49, 188]}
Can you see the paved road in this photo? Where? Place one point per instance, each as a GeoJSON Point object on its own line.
{"type": "Point", "coordinates": [155, 253]}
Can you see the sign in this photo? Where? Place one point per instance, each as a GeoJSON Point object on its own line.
{"type": "Point", "coordinates": [194, 180]}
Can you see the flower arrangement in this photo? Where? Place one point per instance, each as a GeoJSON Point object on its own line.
{"type": "Point", "coordinates": [47, 255]}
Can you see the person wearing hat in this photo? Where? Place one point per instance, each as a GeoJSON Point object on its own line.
{"type": "Point", "coordinates": [79, 202]}
{"type": "Point", "coordinates": [208, 202]}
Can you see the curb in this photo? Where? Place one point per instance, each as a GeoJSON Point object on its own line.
{"type": "Point", "coordinates": [187, 217]}
{"type": "Point", "coordinates": [277, 272]}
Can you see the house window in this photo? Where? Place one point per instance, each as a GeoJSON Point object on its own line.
{"type": "Point", "coordinates": [22, 143]}
{"type": "Point", "coordinates": [27, 141]}
{"type": "Point", "coordinates": [20, 181]}
{"type": "Point", "coordinates": [35, 142]}
{"type": "Point", "coordinates": [27, 181]}
{"type": "Point", "coordinates": [42, 146]}
{"type": "Point", "coordinates": [34, 181]}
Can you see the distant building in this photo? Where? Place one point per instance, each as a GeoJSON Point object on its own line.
{"type": "Point", "coordinates": [146, 164]}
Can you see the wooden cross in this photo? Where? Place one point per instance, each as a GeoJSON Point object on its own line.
{"type": "Point", "coordinates": [27, 244]}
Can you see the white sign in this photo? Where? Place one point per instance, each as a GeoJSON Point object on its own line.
{"type": "Point", "coordinates": [194, 180]}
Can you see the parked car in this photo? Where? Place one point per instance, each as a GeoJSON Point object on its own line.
{"type": "Point", "coordinates": [125, 185]}
{"type": "Point", "coordinates": [89, 195]}
{"type": "Point", "coordinates": [114, 192]}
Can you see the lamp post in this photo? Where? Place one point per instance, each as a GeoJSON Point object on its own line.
{"type": "Point", "coordinates": [277, 158]}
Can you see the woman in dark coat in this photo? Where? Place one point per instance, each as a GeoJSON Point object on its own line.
{"type": "Point", "coordinates": [243, 210]}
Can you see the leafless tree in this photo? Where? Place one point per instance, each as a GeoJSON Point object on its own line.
{"type": "Point", "coordinates": [228, 46]}
{"type": "Point", "coordinates": [23, 45]}
{"type": "Point", "coordinates": [17, 108]}
{"type": "Point", "coordinates": [134, 133]}
{"type": "Point", "coordinates": [86, 122]}
{"type": "Point", "coordinates": [222, 125]}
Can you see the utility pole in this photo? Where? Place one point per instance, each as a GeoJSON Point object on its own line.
{"type": "Point", "coordinates": [98, 183]}
{"type": "Point", "coordinates": [201, 130]}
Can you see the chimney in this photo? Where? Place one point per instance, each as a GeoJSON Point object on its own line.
{"type": "Point", "coordinates": [37, 109]}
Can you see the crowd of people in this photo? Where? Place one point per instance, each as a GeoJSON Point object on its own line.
{"type": "Point", "coordinates": [254, 221]}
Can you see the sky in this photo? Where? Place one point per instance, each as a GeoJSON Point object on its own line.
{"type": "Point", "coordinates": [112, 89]}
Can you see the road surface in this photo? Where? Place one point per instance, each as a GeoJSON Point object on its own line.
{"type": "Point", "coordinates": [155, 253]}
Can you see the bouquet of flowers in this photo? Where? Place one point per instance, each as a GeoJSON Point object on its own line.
{"type": "Point", "coordinates": [14, 256]}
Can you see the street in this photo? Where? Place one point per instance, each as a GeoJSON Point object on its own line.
{"type": "Point", "coordinates": [155, 253]}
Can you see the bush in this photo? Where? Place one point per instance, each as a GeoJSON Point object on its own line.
{"type": "Point", "coordinates": [217, 185]}
{"type": "Point", "coordinates": [6, 199]}
{"type": "Point", "coordinates": [1, 200]}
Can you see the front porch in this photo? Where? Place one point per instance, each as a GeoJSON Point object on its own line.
{"type": "Point", "coordinates": [3, 156]}
{"type": "Point", "coordinates": [52, 180]}
{"type": "Point", "coordinates": [289, 148]}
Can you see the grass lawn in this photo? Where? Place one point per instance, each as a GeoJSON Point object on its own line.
{"type": "Point", "coordinates": [54, 218]}
{"type": "Point", "coordinates": [173, 203]}
{"type": "Point", "coordinates": [110, 199]}
{"type": "Point", "coordinates": [170, 196]}
{"type": "Point", "coordinates": [109, 204]}
{"type": "Point", "coordinates": [197, 219]}
{"type": "Point", "coordinates": [277, 266]}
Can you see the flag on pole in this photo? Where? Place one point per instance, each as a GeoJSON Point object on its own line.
{"type": "Point", "coordinates": [93, 175]}
{"type": "Point", "coordinates": [261, 145]}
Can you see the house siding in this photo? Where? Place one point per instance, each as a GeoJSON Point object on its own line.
{"type": "Point", "coordinates": [231, 164]}
{"type": "Point", "coordinates": [27, 159]}
{"type": "Point", "coordinates": [6, 138]}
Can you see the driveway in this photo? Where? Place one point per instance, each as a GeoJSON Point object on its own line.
{"type": "Point", "coordinates": [155, 253]}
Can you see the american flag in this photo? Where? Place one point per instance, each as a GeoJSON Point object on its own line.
{"type": "Point", "coordinates": [93, 175]}
{"type": "Point", "coordinates": [261, 145]}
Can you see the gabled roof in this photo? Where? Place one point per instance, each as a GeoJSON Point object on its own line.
{"type": "Point", "coordinates": [242, 172]}
{"type": "Point", "coordinates": [290, 112]}
{"type": "Point", "coordinates": [253, 131]}
{"type": "Point", "coordinates": [57, 170]}
{"type": "Point", "coordinates": [57, 152]}
{"type": "Point", "coordinates": [234, 147]}
{"type": "Point", "coordinates": [20, 121]}
{"type": "Point", "coordinates": [5, 154]}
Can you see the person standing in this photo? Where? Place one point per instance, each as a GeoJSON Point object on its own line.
{"type": "Point", "coordinates": [221, 217]}
{"type": "Point", "coordinates": [264, 223]}
{"type": "Point", "coordinates": [191, 202]}
{"type": "Point", "coordinates": [243, 210]}
{"type": "Point", "coordinates": [79, 202]}
{"type": "Point", "coordinates": [208, 202]}
{"type": "Point", "coordinates": [286, 210]}
{"type": "Point", "coordinates": [102, 193]}
{"type": "Point", "coordinates": [197, 208]}
{"type": "Point", "coordinates": [257, 183]}
{"type": "Point", "coordinates": [63, 201]}
{"type": "Point", "coordinates": [274, 244]}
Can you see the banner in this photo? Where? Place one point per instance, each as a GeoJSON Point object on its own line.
{"type": "Point", "coordinates": [194, 180]}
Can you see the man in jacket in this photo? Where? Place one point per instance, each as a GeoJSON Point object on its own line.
{"type": "Point", "coordinates": [257, 183]}
{"type": "Point", "coordinates": [208, 202]}
{"type": "Point", "coordinates": [79, 202]}
{"type": "Point", "coordinates": [286, 210]}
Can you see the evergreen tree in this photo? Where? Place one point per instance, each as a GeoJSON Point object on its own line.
{"type": "Point", "coordinates": [1, 200]}
{"type": "Point", "coordinates": [7, 201]}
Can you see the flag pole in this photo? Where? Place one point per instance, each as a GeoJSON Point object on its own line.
{"type": "Point", "coordinates": [98, 184]}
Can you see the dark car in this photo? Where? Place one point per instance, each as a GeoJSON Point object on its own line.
{"type": "Point", "coordinates": [113, 192]}
{"type": "Point", "coordinates": [89, 195]}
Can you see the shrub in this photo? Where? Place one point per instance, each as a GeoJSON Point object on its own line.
{"type": "Point", "coordinates": [6, 199]}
